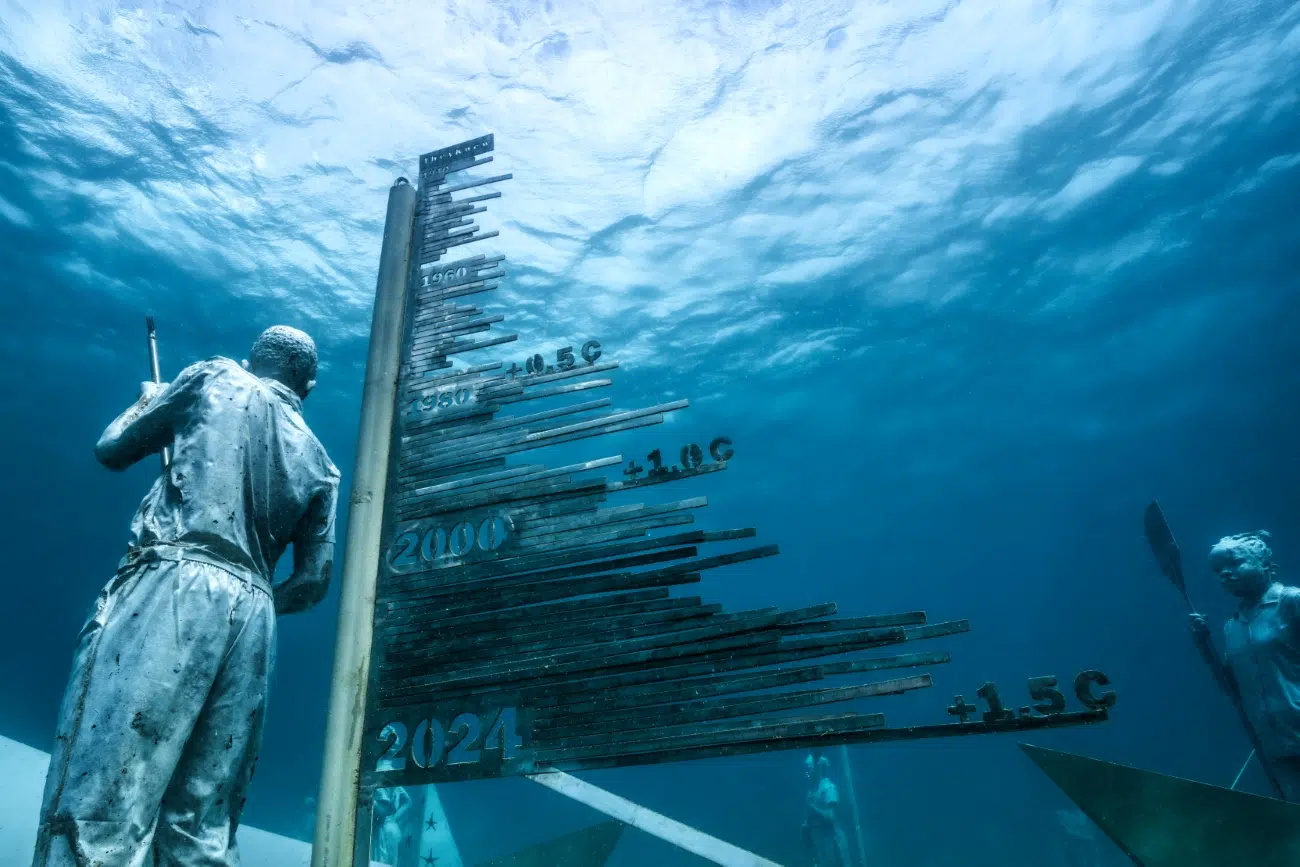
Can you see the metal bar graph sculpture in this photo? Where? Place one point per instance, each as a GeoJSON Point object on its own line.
{"type": "Point", "coordinates": [524, 619]}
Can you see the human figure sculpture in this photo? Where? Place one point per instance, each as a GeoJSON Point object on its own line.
{"type": "Point", "coordinates": [821, 829]}
{"type": "Point", "coordinates": [162, 717]}
{"type": "Point", "coordinates": [1261, 660]}
{"type": "Point", "coordinates": [390, 839]}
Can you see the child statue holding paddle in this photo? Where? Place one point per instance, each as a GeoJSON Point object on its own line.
{"type": "Point", "coordinates": [1260, 667]}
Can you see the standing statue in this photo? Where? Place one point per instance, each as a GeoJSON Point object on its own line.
{"type": "Point", "coordinates": [390, 839]}
{"type": "Point", "coordinates": [162, 718]}
{"type": "Point", "coordinates": [822, 832]}
{"type": "Point", "coordinates": [1261, 660]}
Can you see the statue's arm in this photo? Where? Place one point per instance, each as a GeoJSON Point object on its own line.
{"type": "Point", "coordinates": [313, 557]}
{"type": "Point", "coordinates": [134, 434]}
{"type": "Point", "coordinates": [825, 802]}
{"type": "Point", "coordinates": [1205, 645]}
{"type": "Point", "coordinates": [150, 423]}
{"type": "Point", "coordinates": [312, 564]}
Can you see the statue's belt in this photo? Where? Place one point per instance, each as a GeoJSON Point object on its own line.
{"type": "Point", "coordinates": [176, 554]}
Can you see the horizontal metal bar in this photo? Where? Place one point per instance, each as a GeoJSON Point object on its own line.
{"type": "Point", "coordinates": [756, 624]}
{"type": "Point", "coordinates": [529, 380]}
{"type": "Point", "coordinates": [608, 516]}
{"type": "Point", "coordinates": [549, 688]}
{"type": "Point", "coordinates": [470, 288]}
{"type": "Point", "coordinates": [482, 198]}
{"type": "Point", "coordinates": [558, 390]}
{"type": "Point", "coordinates": [435, 657]}
{"type": "Point", "coordinates": [515, 448]}
{"type": "Point", "coordinates": [602, 729]}
{"type": "Point", "coordinates": [468, 185]}
{"type": "Point", "coordinates": [526, 635]}
{"type": "Point", "coordinates": [562, 710]}
{"type": "Point", "coordinates": [469, 262]}
{"type": "Point", "coordinates": [909, 618]}
{"type": "Point", "coordinates": [567, 589]}
{"type": "Point", "coordinates": [880, 663]}
{"type": "Point", "coordinates": [824, 736]}
{"type": "Point", "coordinates": [505, 567]}
{"type": "Point", "coordinates": [482, 499]}
{"type": "Point", "coordinates": [424, 439]}
{"type": "Point", "coordinates": [733, 635]}
{"type": "Point", "coordinates": [574, 537]}
{"type": "Point", "coordinates": [937, 630]}
{"type": "Point", "coordinates": [413, 490]}
{"type": "Point", "coordinates": [568, 611]}
{"type": "Point", "coordinates": [430, 337]}
{"type": "Point", "coordinates": [477, 344]}
{"type": "Point", "coordinates": [441, 380]}
{"type": "Point", "coordinates": [410, 607]}
{"type": "Point", "coordinates": [739, 734]}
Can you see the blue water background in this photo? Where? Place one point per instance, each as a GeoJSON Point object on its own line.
{"type": "Point", "coordinates": [989, 282]}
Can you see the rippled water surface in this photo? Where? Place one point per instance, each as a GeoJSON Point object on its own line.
{"type": "Point", "coordinates": [967, 283]}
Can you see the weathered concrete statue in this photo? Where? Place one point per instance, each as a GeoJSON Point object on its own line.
{"type": "Point", "coordinates": [1261, 660]}
{"type": "Point", "coordinates": [822, 831]}
{"type": "Point", "coordinates": [161, 722]}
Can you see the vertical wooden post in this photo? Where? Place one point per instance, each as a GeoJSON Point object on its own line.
{"type": "Point", "coordinates": [340, 773]}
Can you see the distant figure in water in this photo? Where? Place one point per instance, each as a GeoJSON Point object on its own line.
{"type": "Point", "coordinates": [162, 717]}
{"type": "Point", "coordinates": [390, 840]}
{"type": "Point", "coordinates": [821, 830]}
{"type": "Point", "coordinates": [1261, 660]}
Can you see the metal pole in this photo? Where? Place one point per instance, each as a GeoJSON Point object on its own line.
{"type": "Point", "coordinates": [155, 372]}
{"type": "Point", "coordinates": [337, 801]}
{"type": "Point", "coordinates": [853, 804]}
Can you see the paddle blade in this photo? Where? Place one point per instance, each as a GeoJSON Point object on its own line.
{"type": "Point", "coordinates": [1163, 546]}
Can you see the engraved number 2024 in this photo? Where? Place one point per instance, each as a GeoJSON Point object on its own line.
{"type": "Point", "coordinates": [458, 744]}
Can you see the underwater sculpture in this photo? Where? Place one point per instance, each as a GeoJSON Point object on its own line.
{"type": "Point", "coordinates": [392, 806]}
{"type": "Point", "coordinates": [822, 830]}
{"type": "Point", "coordinates": [501, 618]}
{"type": "Point", "coordinates": [161, 722]}
{"type": "Point", "coordinates": [1261, 660]}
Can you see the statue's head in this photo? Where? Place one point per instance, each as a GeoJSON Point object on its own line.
{"type": "Point", "coordinates": [816, 768]}
{"type": "Point", "coordinates": [1244, 563]}
{"type": "Point", "coordinates": [286, 355]}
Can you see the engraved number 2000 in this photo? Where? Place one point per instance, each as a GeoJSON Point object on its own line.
{"type": "Point", "coordinates": [436, 544]}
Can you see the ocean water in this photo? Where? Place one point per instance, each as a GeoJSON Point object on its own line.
{"type": "Point", "coordinates": [966, 283]}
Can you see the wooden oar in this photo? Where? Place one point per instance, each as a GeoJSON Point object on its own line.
{"type": "Point", "coordinates": [1170, 559]}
